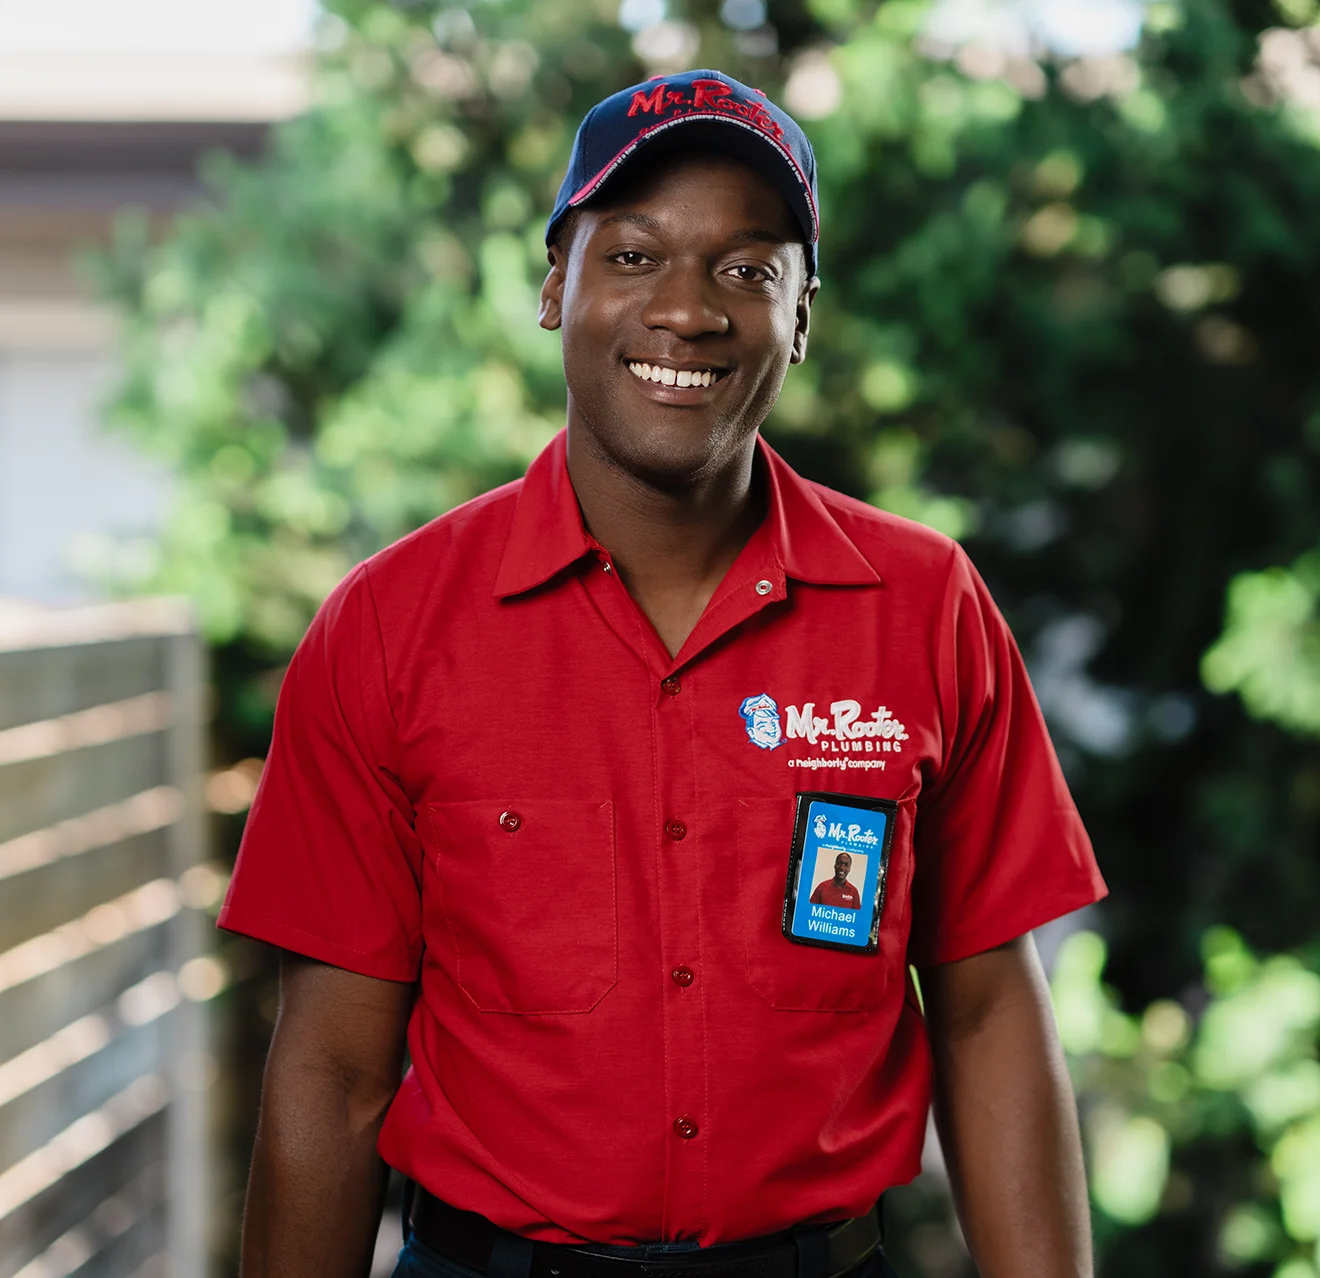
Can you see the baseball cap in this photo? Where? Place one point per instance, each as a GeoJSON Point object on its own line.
{"type": "Point", "coordinates": [700, 109]}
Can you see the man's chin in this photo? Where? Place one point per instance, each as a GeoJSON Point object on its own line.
{"type": "Point", "coordinates": [668, 455]}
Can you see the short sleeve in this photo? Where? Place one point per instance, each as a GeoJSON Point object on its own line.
{"type": "Point", "coordinates": [330, 863]}
{"type": "Point", "coordinates": [999, 846]}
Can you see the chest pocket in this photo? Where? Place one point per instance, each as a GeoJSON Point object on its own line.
{"type": "Point", "coordinates": [526, 892]}
{"type": "Point", "coordinates": [804, 978]}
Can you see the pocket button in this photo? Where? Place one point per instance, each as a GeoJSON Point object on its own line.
{"type": "Point", "coordinates": [510, 821]}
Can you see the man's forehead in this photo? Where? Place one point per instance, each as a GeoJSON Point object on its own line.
{"type": "Point", "coordinates": [665, 181]}
{"type": "Point", "coordinates": [645, 221]}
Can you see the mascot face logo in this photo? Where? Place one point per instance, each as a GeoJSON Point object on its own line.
{"type": "Point", "coordinates": [760, 716]}
{"type": "Point", "coordinates": [820, 826]}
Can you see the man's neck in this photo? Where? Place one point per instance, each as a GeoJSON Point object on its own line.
{"type": "Point", "coordinates": [670, 547]}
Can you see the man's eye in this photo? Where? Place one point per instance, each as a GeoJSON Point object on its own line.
{"type": "Point", "coordinates": [750, 274]}
{"type": "Point", "coordinates": [630, 257]}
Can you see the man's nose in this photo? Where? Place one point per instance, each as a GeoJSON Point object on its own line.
{"type": "Point", "coordinates": [686, 302]}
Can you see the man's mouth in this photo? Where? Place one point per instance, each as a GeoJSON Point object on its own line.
{"type": "Point", "coordinates": [668, 376]}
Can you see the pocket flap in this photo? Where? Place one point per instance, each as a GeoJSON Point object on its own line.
{"type": "Point", "coordinates": [527, 891]}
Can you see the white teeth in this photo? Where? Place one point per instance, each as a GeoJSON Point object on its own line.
{"type": "Point", "coordinates": [671, 376]}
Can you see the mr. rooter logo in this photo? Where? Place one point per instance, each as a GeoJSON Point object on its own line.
{"type": "Point", "coordinates": [712, 96]}
{"type": "Point", "coordinates": [845, 729]}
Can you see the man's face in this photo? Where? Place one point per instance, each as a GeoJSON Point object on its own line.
{"type": "Point", "coordinates": [842, 864]}
{"type": "Point", "coordinates": [693, 269]}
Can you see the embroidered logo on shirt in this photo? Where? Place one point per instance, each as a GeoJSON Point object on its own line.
{"type": "Point", "coordinates": [843, 731]}
{"type": "Point", "coordinates": [845, 723]}
{"type": "Point", "coordinates": [760, 716]}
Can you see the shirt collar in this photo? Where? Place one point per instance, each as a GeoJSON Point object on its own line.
{"type": "Point", "coordinates": [807, 538]}
{"type": "Point", "coordinates": [547, 533]}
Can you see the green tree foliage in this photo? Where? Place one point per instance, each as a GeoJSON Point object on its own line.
{"type": "Point", "coordinates": [1069, 316]}
{"type": "Point", "coordinates": [1165, 1097]}
{"type": "Point", "coordinates": [1270, 649]}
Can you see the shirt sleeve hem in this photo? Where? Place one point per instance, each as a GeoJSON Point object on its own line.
{"type": "Point", "coordinates": [964, 946]}
{"type": "Point", "coordinates": [382, 966]}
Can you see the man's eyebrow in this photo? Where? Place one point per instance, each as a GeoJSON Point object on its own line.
{"type": "Point", "coordinates": [758, 235]}
{"type": "Point", "coordinates": [630, 219]}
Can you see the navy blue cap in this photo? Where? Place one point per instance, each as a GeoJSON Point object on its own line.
{"type": "Point", "coordinates": [712, 110]}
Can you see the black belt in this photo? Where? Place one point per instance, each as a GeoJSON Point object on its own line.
{"type": "Point", "coordinates": [825, 1251]}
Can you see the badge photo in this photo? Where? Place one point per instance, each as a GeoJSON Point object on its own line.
{"type": "Point", "coordinates": [837, 869]}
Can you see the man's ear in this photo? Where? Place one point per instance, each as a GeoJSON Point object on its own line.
{"type": "Point", "coordinates": [808, 295]}
{"type": "Point", "coordinates": [551, 313]}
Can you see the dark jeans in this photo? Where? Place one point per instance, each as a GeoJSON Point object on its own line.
{"type": "Point", "coordinates": [417, 1260]}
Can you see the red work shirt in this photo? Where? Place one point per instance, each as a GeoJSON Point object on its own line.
{"type": "Point", "coordinates": [483, 702]}
{"type": "Point", "coordinates": [827, 893]}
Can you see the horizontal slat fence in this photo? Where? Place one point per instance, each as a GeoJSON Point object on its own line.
{"type": "Point", "coordinates": [102, 1050]}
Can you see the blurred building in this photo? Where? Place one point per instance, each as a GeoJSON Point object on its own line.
{"type": "Point", "coordinates": [83, 137]}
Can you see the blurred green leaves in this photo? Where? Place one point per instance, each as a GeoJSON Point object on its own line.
{"type": "Point", "coordinates": [345, 345]}
{"type": "Point", "coordinates": [1269, 652]}
{"type": "Point", "coordinates": [1161, 1091]}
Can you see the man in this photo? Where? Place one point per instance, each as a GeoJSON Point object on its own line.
{"type": "Point", "coordinates": [657, 567]}
{"type": "Point", "coordinates": [838, 891]}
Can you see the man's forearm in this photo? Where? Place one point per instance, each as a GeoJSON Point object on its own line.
{"type": "Point", "coordinates": [1007, 1117]}
{"type": "Point", "coordinates": [317, 1184]}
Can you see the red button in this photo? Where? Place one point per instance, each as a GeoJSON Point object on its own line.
{"type": "Point", "coordinates": [676, 830]}
{"type": "Point", "coordinates": [510, 821]}
{"type": "Point", "coordinates": [685, 1127]}
{"type": "Point", "coordinates": [682, 976]}
{"type": "Point", "coordinates": [671, 685]}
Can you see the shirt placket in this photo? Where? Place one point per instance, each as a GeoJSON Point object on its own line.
{"type": "Point", "coordinates": [679, 843]}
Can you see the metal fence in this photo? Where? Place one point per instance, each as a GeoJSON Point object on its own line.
{"type": "Point", "coordinates": [103, 971]}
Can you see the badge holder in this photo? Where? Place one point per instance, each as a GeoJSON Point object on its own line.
{"type": "Point", "coordinates": [837, 871]}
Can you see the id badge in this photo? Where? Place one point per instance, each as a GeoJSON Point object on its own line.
{"type": "Point", "coordinates": [837, 870]}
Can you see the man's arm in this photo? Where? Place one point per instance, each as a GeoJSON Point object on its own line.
{"type": "Point", "coordinates": [1006, 1115]}
{"type": "Point", "coordinates": [317, 1184]}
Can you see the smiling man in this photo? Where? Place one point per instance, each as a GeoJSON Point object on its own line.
{"type": "Point", "coordinates": [838, 891]}
{"type": "Point", "coordinates": [735, 662]}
